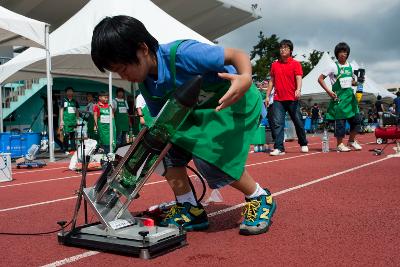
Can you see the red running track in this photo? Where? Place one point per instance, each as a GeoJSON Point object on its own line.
{"type": "Point", "coordinates": [333, 209]}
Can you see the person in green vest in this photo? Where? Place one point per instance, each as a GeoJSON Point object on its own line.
{"type": "Point", "coordinates": [103, 114]}
{"type": "Point", "coordinates": [343, 106]}
{"type": "Point", "coordinates": [122, 122]}
{"type": "Point", "coordinates": [69, 115]}
{"type": "Point", "coordinates": [143, 112]}
{"type": "Point", "coordinates": [90, 120]}
{"type": "Point", "coordinates": [216, 135]}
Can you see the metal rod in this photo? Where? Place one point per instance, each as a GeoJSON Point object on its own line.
{"type": "Point", "coordinates": [49, 96]}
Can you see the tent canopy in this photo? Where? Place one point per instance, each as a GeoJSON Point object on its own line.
{"type": "Point", "coordinates": [70, 44]}
{"type": "Point", "coordinates": [16, 29]}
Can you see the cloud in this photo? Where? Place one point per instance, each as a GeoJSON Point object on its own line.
{"type": "Point", "coordinates": [370, 27]}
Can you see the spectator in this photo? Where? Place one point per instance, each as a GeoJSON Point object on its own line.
{"type": "Point", "coordinates": [286, 78]}
{"type": "Point", "coordinates": [379, 109]}
{"type": "Point", "coordinates": [90, 119]}
{"type": "Point", "coordinates": [315, 116]}
{"type": "Point", "coordinates": [122, 122]}
{"type": "Point", "coordinates": [396, 103]}
{"type": "Point", "coordinates": [69, 115]}
{"type": "Point", "coordinates": [102, 117]}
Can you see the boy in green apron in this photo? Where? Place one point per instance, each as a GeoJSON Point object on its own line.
{"type": "Point", "coordinates": [343, 105]}
{"type": "Point", "coordinates": [90, 120]}
{"type": "Point", "coordinates": [122, 122]}
{"type": "Point", "coordinates": [216, 135]}
{"type": "Point", "coordinates": [69, 115]}
{"type": "Point", "coordinates": [102, 114]}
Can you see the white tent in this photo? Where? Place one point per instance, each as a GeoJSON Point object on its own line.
{"type": "Point", "coordinates": [312, 92]}
{"type": "Point", "coordinates": [70, 43]}
{"type": "Point", "coordinates": [16, 29]}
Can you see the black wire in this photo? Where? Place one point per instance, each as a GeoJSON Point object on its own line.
{"type": "Point", "coordinates": [202, 182]}
{"type": "Point", "coordinates": [38, 234]}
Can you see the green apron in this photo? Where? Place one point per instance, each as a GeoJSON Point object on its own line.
{"type": "Point", "coordinates": [347, 105]}
{"type": "Point", "coordinates": [69, 115]}
{"type": "Point", "coordinates": [90, 122]}
{"type": "Point", "coordinates": [103, 125]}
{"type": "Point", "coordinates": [121, 116]}
{"type": "Point", "coordinates": [220, 138]}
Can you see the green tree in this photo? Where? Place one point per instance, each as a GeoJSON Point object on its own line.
{"type": "Point", "coordinates": [264, 53]}
{"type": "Point", "coordinates": [312, 61]}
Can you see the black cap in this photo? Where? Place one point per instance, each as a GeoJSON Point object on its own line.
{"type": "Point", "coordinates": [188, 93]}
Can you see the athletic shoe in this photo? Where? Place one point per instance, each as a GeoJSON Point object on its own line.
{"type": "Point", "coordinates": [304, 149]}
{"type": "Point", "coordinates": [194, 218]}
{"type": "Point", "coordinates": [277, 152]}
{"type": "Point", "coordinates": [257, 215]}
{"type": "Point", "coordinates": [342, 148]}
{"type": "Point", "coordinates": [355, 145]}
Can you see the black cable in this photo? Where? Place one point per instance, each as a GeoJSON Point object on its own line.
{"type": "Point", "coordinates": [37, 234]}
{"type": "Point", "coordinates": [202, 182]}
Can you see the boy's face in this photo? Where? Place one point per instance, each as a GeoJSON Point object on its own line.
{"type": "Point", "coordinates": [89, 98]}
{"type": "Point", "coordinates": [342, 56]}
{"type": "Point", "coordinates": [284, 51]}
{"type": "Point", "coordinates": [120, 94]}
{"type": "Point", "coordinates": [134, 72]}
{"type": "Point", "coordinates": [103, 99]}
{"type": "Point", "coordinates": [70, 93]}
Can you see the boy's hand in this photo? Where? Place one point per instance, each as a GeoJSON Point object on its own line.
{"type": "Point", "coordinates": [297, 93]}
{"type": "Point", "coordinates": [332, 95]}
{"type": "Point", "coordinates": [267, 101]}
{"type": "Point", "coordinates": [239, 86]}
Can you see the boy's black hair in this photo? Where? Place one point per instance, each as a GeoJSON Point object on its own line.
{"type": "Point", "coordinates": [117, 39]}
{"type": "Point", "coordinates": [120, 89]}
{"type": "Point", "coordinates": [68, 88]}
{"type": "Point", "coordinates": [379, 97]}
{"type": "Point", "coordinates": [342, 47]}
{"type": "Point", "coordinates": [288, 43]}
{"type": "Point", "coordinates": [103, 93]}
{"type": "Point", "coordinates": [398, 93]}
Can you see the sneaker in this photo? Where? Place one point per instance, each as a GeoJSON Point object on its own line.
{"type": "Point", "coordinates": [195, 218]}
{"type": "Point", "coordinates": [304, 149]}
{"type": "Point", "coordinates": [277, 152]}
{"type": "Point", "coordinates": [355, 145]}
{"type": "Point", "coordinates": [66, 152]}
{"type": "Point", "coordinates": [342, 148]}
{"type": "Point", "coordinates": [257, 215]}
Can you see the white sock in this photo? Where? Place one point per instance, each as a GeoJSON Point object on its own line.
{"type": "Point", "coordinates": [258, 192]}
{"type": "Point", "coordinates": [188, 197]}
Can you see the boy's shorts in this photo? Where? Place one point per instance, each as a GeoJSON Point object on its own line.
{"type": "Point", "coordinates": [340, 125]}
{"type": "Point", "coordinates": [177, 157]}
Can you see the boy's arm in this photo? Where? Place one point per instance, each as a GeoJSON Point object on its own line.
{"type": "Point", "coordinates": [240, 82]}
{"type": "Point", "coordinates": [299, 83]}
{"type": "Point", "coordinates": [321, 82]}
{"type": "Point", "coordinates": [61, 118]}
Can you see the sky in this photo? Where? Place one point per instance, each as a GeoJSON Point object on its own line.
{"type": "Point", "coordinates": [370, 27]}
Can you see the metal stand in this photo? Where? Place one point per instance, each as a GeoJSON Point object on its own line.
{"type": "Point", "coordinates": [117, 230]}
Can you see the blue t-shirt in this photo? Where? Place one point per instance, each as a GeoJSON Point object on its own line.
{"type": "Point", "coordinates": [396, 101]}
{"type": "Point", "coordinates": [192, 58]}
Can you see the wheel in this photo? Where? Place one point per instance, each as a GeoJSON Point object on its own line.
{"type": "Point", "coordinates": [379, 141]}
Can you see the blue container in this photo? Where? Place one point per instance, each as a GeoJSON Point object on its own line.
{"type": "Point", "coordinates": [18, 144]}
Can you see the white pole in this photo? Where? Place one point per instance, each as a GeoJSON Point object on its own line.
{"type": "Point", "coordinates": [1, 109]}
{"type": "Point", "coordinates": [49, 96]}
{"type": "Point", "coordinates": [109, 105]}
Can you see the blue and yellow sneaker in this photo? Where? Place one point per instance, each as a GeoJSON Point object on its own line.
{"type": "Point", "coordinates": [195, 218]}
{"type": "Point", "coordinates": [257, 215]}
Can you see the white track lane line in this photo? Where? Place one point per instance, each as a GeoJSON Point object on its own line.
{"type": "Point", "coordinates": [40, 170]}
{"type": "Point", "coordinates": [151, 183]}
{"type": "Point", "coordinates": [219, 212]}
{"type": "Point", "coordinates": [48, 180]}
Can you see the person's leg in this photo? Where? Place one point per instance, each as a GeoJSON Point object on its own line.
{"type": "Point", "coordinates": [270, 117]}
{"type": "Point", "coordinates": [340, 132]}
{"type": "Point", "coordinates": [355, 126]}
{"type": "Point", "coordinates": [293, 108]}
{"type": "Point", "coordinates": [279, 124]}
{"type": "Point", "coordinates": [66, 142]}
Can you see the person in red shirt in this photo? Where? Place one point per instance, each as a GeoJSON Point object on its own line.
{"type": "Point", "coordinates": [286, 77]}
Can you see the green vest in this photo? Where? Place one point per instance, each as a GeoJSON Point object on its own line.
{"type": "Point", "coordinates": [347, 105]}
{"type": "Point", "coordinates": [220, 138]}
{"type": "Point", "coordinates": [121, 116]}
{"type": "Point", "coordinates": [103, 126]}
{"type": "Point", "coordinates": [69, 115]}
